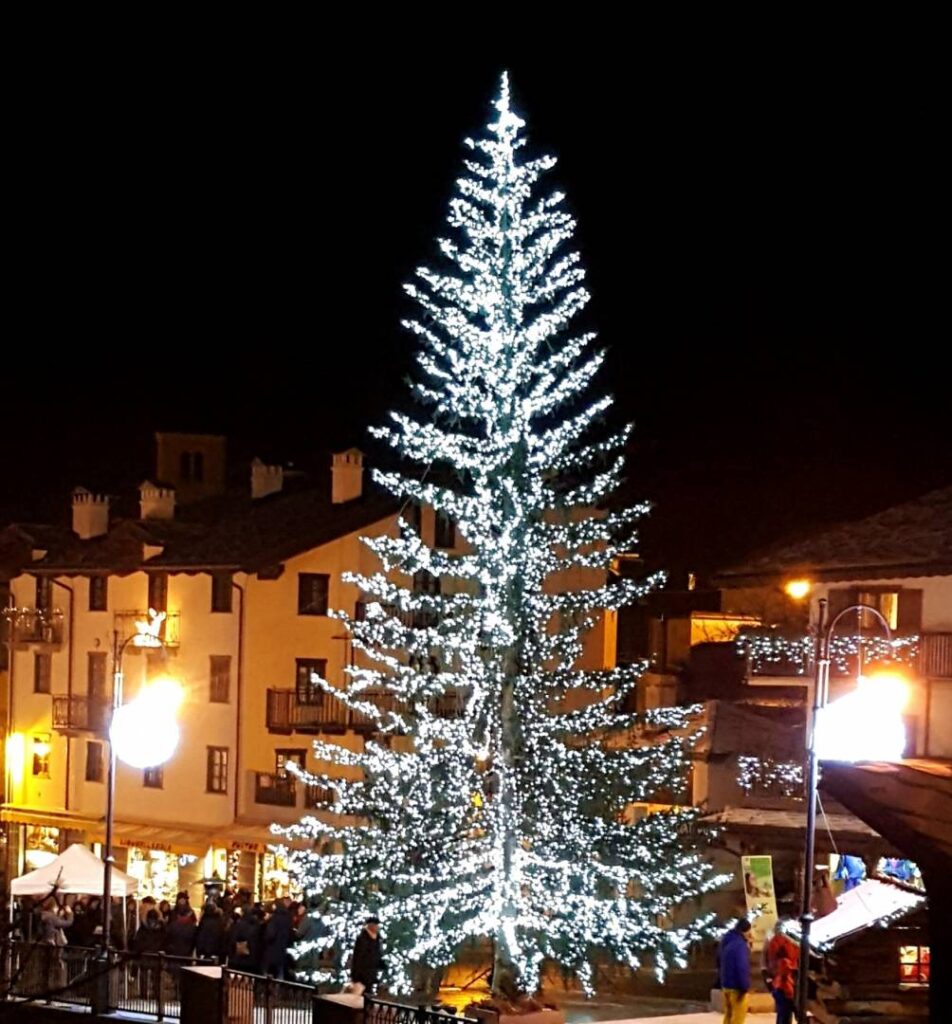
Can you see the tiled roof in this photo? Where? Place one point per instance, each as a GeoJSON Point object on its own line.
{"type": "Point", "coordinates": [238, 533]}
{"type": "Point", "coordinates": [910, 539]}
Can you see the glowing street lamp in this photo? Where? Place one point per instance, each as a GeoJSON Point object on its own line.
{"type": "Point", "coordinates": [797, 589]}
{"type": "Point", "coordinates": [865, 725]}
{"type": "Point", "coordinates": [142, 733]}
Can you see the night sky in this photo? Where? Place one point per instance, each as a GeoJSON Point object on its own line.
{"type": "Point", "coordinates": [222, 249]}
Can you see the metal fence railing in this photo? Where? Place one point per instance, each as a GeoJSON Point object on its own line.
{"type": "Point", "coordinates": [148, 984]}
{"type": "Point", "coordinates": [249, 998]}
{"type": "Point", "coordinates": [40, 972]}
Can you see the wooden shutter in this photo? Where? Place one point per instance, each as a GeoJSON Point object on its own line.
{"type": "Point", "coordinates": [909, 614]}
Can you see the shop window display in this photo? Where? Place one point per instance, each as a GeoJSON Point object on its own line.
{"type": "Point", "coordinates": [42, 845]}
{"type": "Point", "coordinates": [156, 871]}
{"type": "Point", "coordinates": [275, 878]}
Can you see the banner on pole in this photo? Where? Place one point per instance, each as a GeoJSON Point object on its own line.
{"type": "Point", "coordinates": [760, 896]}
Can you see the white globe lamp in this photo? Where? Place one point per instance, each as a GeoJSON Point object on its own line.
{"type": "Point", "coordinates": [144, 732]}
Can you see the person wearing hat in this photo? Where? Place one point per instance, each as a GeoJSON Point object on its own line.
{"type": "Point", "coordinates": [368, 956]}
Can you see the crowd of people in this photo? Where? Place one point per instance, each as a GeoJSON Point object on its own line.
{"type": "Point", "coordinates": [233, 930]}
{"type": "Point", "coordinates": [230, 929]}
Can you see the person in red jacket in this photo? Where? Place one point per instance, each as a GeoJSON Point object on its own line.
{"type": "Point", "coordinates": [782, 958]}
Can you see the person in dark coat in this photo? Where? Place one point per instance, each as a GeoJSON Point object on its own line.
{"type": "Point", "coordinates": [183, 908]}
{"type": "Point", "coordinates": [244, 942]}
{"type": "Point", "coordinates": [149, 939]}
{"type": "Point", "coordinates": [180, 933]}
{"type": "Point", "coordinates": [210, 935]}
{"type": "Point", "coordinates": [278, 935]}
{"type": "Point", "coordinates": [734, 970]}
{"type": "Point", "coordinates": [368, 955]}
{"type": "Point", "coordinates": [89, 928]}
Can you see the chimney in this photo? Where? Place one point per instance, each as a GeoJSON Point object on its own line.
{"type": "Point", "coordinates": [156, 502]}
{"type": "Point", "coordinates": [90, 514]}
{"type": "Point", "coordinates": [347, 475]}
{"type": "Point", "coordinates": [265, 479]}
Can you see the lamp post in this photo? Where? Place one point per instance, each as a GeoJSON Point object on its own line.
{"type": "Point", "coordinates": [821, 683]}
{"type": "Point", "coordinates": [142, 733]}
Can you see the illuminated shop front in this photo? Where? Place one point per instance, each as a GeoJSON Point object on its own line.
{"type": "Point", "coordinates": [160, 873]}
{"type": "Point", "coordinates": [41, 844]}
{"type": "Point", "coordinates": [275, 879]}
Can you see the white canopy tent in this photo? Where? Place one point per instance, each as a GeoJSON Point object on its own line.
{"type": "Point", "coordinates": [75, 870]}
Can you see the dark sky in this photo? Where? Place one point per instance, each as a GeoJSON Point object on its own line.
{"type": "Point", "coordinates": [219, 245]}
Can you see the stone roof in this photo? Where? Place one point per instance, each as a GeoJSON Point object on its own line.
{"type": "Point", "coordinates": [235, 534]}
{"type": "Point", "coordinates": [912, 539]}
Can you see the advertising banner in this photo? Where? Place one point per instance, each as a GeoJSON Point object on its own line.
{"type": "Point", "coordinates": [761, 898]}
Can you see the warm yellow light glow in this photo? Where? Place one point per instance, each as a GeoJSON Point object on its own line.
{"type": "Point", "coordinates": [797, 589]}
{"type": "Point", "coordinates": [897, 687]}
{"type": "Point", "coordinates": [16, 757]}
{"type": "Point", "coordinates": [144, 732]}
{"type": "Point", "coordinates": [867, 724]}
{"type": "Point", "coordinates": [164, 693]}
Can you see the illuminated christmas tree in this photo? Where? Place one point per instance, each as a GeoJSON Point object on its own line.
{"type": "Point", "coordinates": [491, 803]}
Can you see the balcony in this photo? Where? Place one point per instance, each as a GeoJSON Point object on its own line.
{"type": "Point", "coordinates": [275, 789]}
{"type": "Point", "coordinates": [34, 625]}
{"type": "Point", "coordinates": [450, 704]}
{"type": "Point", "coordinates": [318, 798]}
{"type": "Point", "coordinates": [287, 714]}
{"type": "Point", "coordinates": [281, 797]}
{"type": "Point", "coordinates": [364, 723]}
{"type": "Point", "coordinates": [79, 714]}
{"type": "Point", "coordinates": [775, 657]}
{"type": "Point", "coordinates": [125, 626]}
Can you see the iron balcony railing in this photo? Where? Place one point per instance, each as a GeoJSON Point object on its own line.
{"type": "Point", "coordinates": [275, 788]}
{"type": "Point", "coordinates": [928, 654]}
{"type": "Point", "coordinates": [79, 714]}
{"type": "Point", "coordinates": [777, 653]}
{"type": "Point", "coordinates": [287, 713]}
{"type": "Point", "coordinates": [316, 797]}
{"type": "Point", "coordinates": [271, 790]}
{"type": "Point", "coordinates": [34, 625]}
{"type": "Point", "coordinates": [169, 630]}
{"type": "Point", "coordinates": [450, 704]}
